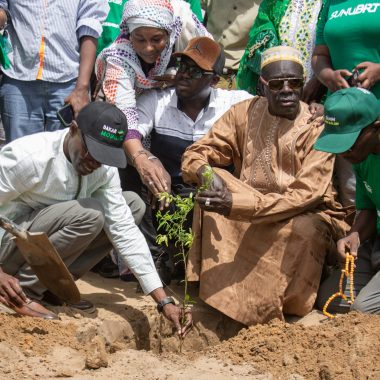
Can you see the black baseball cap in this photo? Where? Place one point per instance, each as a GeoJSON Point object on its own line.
{"type": "Point", "coordinates": [104, 128]}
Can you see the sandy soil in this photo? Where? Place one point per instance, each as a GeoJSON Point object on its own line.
{"type": "Point", "coordinates": [126, 338]}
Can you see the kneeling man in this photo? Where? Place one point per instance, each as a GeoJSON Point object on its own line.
{"type": "Point", "coordinates": [264, 231]}
{"type": "Point", "coordinates": [352, 130]}
{"type": "Point", "coordinates": [65, 183]}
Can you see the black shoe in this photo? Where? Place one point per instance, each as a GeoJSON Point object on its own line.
{"type": "Point", "coordinates": [128, 277]}
{"type": "Point", "coordinates": [107, 268]}
{"type": "Point", "coordinates": [51, 299]}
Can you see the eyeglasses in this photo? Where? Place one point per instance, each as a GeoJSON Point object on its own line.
{"type": "Point", "coordinates": [193, 71]}
{"type": "Point", "coordinates": [277, 84]}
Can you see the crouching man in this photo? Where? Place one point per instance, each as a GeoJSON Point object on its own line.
{"type": "Point", "coordinates": [352, 130]}
{"type": "Point", "coordinates": [66, 184]}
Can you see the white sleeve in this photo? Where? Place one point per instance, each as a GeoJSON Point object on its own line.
{"type": "Point", "coordinates": [17, 174]}
{"type": "Point", "coordinates": [124, 235]}
{"type": "Point", "coordinates": [191, 26]}
{"type": "Point", "coordinates": [240, 95]}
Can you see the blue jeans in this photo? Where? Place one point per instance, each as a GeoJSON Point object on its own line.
{"type": "Point", "coordinates": [29, 107]}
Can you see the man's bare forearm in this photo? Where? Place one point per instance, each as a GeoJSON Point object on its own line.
{"type": "Point", "coordinates": [365, 224]}
{"type": "Point", "coordinates": [87, 61]}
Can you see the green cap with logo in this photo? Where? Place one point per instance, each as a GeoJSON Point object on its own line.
{"type": "Point", "coordinates": [104, 127]}
{"type": "Point", "coordinates": [347, 112]}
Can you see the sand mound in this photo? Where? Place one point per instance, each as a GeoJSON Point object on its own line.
{"type": "Point", "coordinates": [347, 347]}
{"type": "Point", "coordinates": [127, 338]}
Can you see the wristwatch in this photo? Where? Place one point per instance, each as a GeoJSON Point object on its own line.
{"type": "Point", "coordinates": [163, 302]}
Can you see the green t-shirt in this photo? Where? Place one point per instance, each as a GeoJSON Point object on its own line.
{"type": "Point", "coordinates": [368, 185]}
{"type": "Point", "coordinates": [351, 31]}
{"type": "Point", "coordinates": [195, 6]}
{"type": "Point", "coordinates": [111, 26]}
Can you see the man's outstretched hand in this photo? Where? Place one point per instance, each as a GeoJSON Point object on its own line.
{"type": "Point", "coordinates": [11, 292]}
{"type": "Point", "coordinates": [349, 244]}
{"type": "Point", "coordinates": [175, 314]}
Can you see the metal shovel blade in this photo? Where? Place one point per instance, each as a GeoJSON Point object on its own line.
{"type": "Point", "coordinates": [45, 261]}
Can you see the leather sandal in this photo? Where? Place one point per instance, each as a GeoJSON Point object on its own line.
{"type": "Point", "coordinates": [34, 309]}
{"type": "Point", "coordinates": [52, 300]}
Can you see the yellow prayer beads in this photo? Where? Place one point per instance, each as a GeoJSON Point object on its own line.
{"type": "Point", "coordinates": [347, 272]}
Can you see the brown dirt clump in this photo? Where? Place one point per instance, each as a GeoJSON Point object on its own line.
{"type": "Point", "coordinates": [36, 335]}
{"type": "Point", "coordinates": [347, 347]}
{"type": "Point", "coordinates": [127, 339]}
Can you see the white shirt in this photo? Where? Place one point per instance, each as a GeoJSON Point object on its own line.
{"type": "Point", "coordinates": [35, 173]}
{"type": "Point", "coordinates": [158, 109]}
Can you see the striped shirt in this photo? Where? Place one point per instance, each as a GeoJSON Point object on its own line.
{"type": "Point", "coordinates": [45, 35]}
{"type": "Point", "coordinates": [171, 130]}
{"type": "Point", "coordinates": [35, 173]}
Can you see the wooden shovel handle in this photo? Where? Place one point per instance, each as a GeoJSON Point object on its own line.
{"type": "Point", "coordinates": [12, 228]}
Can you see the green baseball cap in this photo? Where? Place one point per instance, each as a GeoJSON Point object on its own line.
{"type": "Point", "coordinates": [347, 112]}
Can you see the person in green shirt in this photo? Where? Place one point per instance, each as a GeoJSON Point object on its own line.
{"type": "Point", "coordinates": [352, 130]}
{"type": "Point", "coordinates": [347, 43]}
{"type": "Point", "coordinates": [195, 6]}
{"type": "Point", "coordinates": [111, 26]}
{"type": "Point", "coordinates": [348, 34]}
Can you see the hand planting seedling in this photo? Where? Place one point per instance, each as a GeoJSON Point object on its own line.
{"type": "Point", "coordinates": [173, 223]}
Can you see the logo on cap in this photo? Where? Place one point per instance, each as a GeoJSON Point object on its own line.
{"type": "Point", "coordinates": [195, 47]}
{"type": "Point", "coordinates": [112, 133]}
{"type": "Point", "coordinates": [363, 90]}
{"type": "Point", "coordinates": [331, 120]}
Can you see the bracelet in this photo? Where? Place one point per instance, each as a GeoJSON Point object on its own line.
{"type": "Point", "coordinates": [152, 157]}
{"type": "Point", "coordinates": [138, 153]}
{"type": "Point", "coordinates": [163, 302]}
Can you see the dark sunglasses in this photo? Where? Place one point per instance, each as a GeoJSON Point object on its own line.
{"type": "Point", "coordinates": [193, 71]}
{"type": "Point", "coordinates": [278, 83]}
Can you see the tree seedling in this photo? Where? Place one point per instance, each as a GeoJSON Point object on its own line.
{"type": "Point", "coordinates": [173, 223]}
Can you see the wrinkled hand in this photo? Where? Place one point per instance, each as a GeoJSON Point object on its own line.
{"type": "Point", "coordinates": [11, 292]}
{"type": "Point", "coordinates": [155, 178]}
{"type": "Point", "coordinates": [316, 110]}
{"type": "Point", "coordinates": [371, 74]}
{"type": "Point", "coordinates": [175, 314]}
{"type": "Point", "coordinates": [336, 80]}
{"type": "Point", "coordinates": [349, 243]}
{"type": "Point", "coordinates": [217, 198]}
{"type": "Point", "coordinates": [78, 99]}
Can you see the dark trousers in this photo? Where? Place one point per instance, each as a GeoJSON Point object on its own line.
{"type": "Point", "coordinates": [131, 181]}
